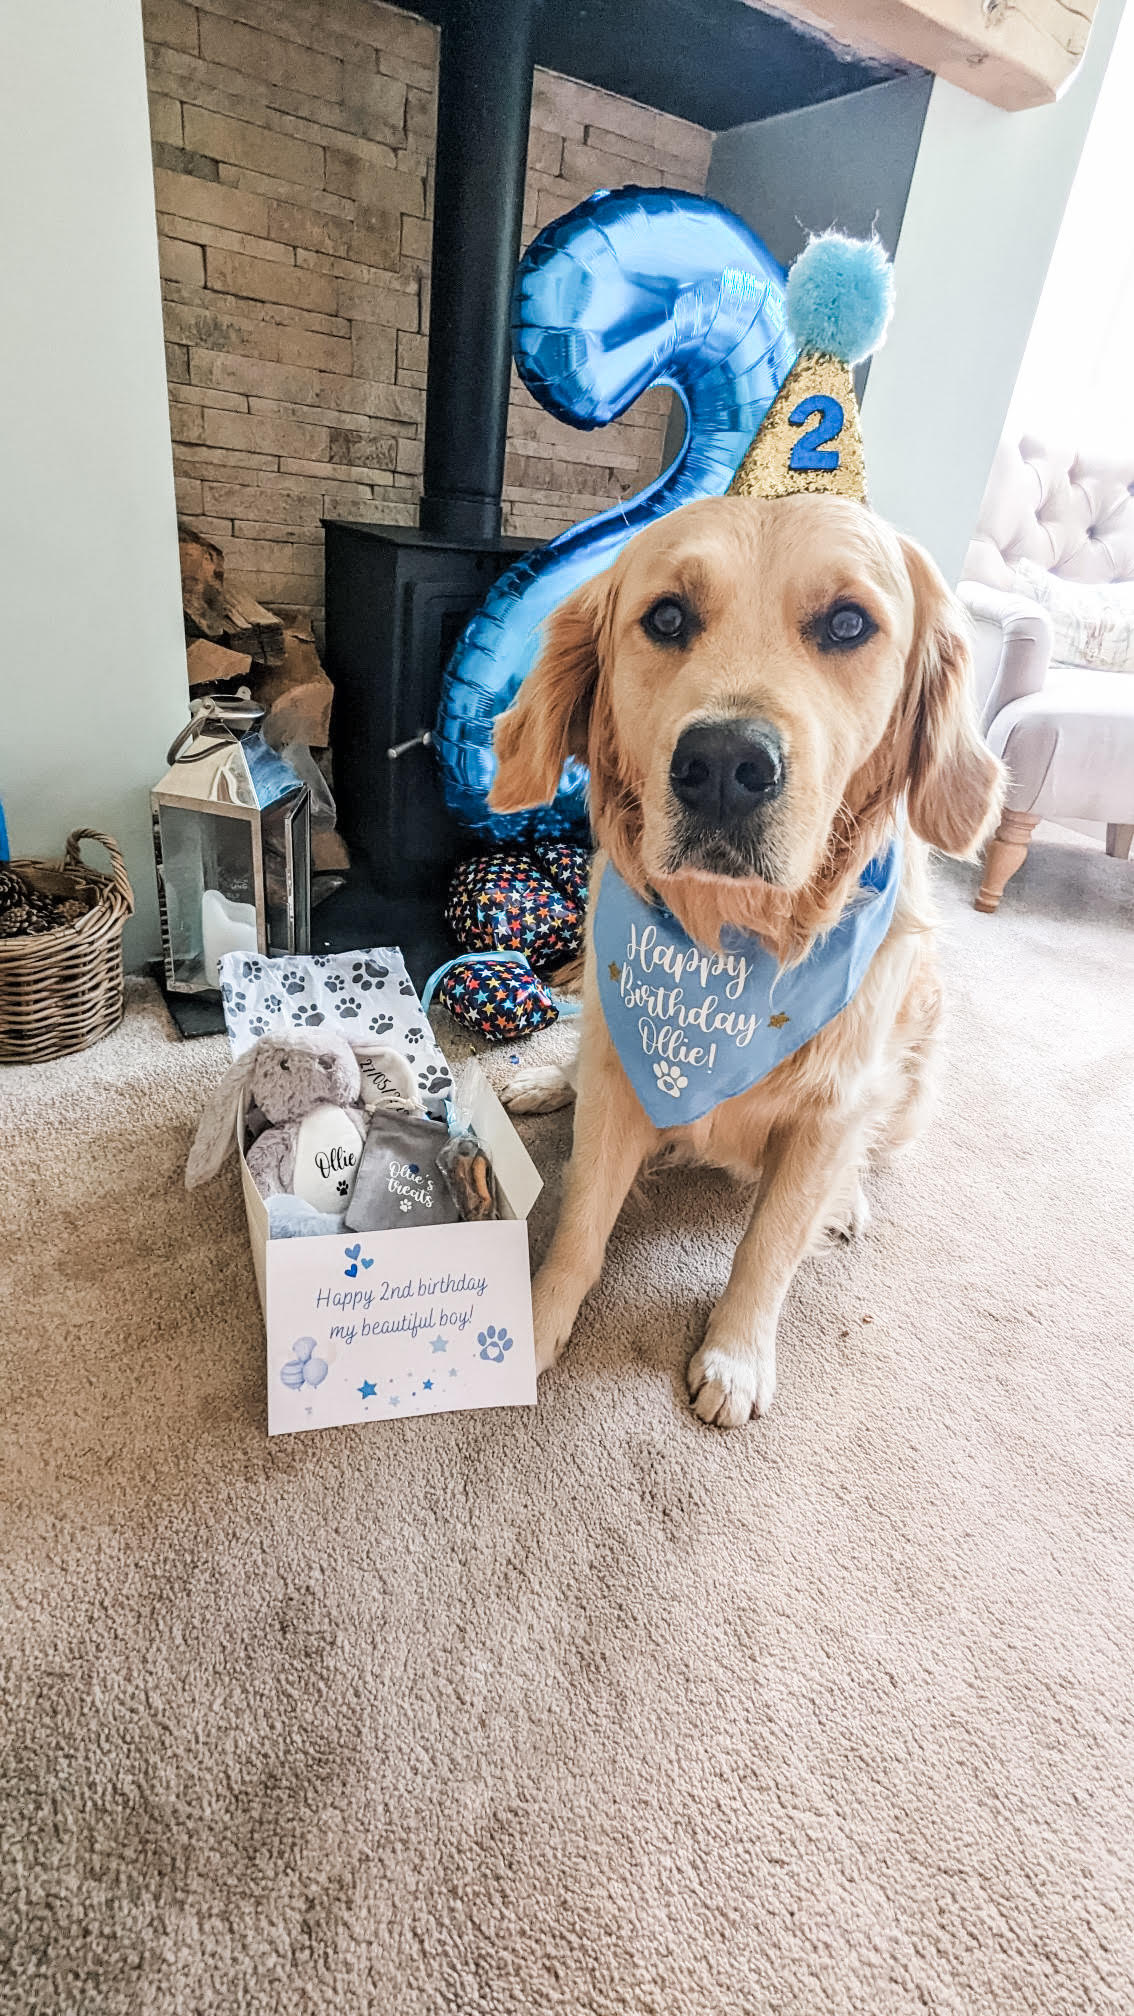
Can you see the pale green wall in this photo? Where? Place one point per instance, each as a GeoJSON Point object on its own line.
{"type": "Point", "coordinates": [92, 686]}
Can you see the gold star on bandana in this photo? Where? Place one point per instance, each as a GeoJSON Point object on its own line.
{"type": "Point", "coordinates": [778, 1021]}
{"type": "Point", "coordinates": [614, 970]}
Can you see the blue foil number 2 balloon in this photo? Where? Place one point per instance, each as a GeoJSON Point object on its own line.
{"type": "Point", "coordinates": [633, 288]}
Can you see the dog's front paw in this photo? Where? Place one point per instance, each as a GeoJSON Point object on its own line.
{"type": "Point", "coordinates": [731, 1383]}
{"type": "Point", "coordinates": [848, 1218]}
{"type": "Point", "coordinates": [555, 1305]}
{"type": "Point", "coordinates": [543, 1089]}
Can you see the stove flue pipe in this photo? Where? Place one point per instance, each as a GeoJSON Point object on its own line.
{"type": "Point", "coordinates": [483, 109]}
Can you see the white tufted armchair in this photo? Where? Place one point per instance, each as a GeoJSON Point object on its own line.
{"type": "Point", "coordinates": [1066, 732]}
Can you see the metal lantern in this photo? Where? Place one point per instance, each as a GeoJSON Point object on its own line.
{"type": "Point", "coordinates": [232, 843]}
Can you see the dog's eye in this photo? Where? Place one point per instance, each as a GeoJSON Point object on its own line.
{"type": "Point", "coordinates": [844, 626]}
{"type": "Point", "coordinates": [667, 622]}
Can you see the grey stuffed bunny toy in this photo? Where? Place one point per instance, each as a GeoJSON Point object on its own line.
{"type": "Point", "coordinates": [286, 1078]}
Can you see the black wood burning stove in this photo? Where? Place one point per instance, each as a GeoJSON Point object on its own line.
{"type": "Point", "coordinates": [398, 597]}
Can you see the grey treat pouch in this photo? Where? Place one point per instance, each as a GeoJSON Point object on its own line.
{"type": "Point", "coordinates": [398, 1181]}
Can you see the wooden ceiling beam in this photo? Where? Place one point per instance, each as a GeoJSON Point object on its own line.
{"type": "Point", "coordinates": [1014, 57]}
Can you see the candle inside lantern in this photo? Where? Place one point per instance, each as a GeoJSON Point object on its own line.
{"type": "Point", "coordinates": [225, 927]}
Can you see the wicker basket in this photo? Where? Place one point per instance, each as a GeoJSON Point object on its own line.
{"type": "Point", "coordinates": [62, 989]}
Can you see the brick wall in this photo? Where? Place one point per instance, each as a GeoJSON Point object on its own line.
{"type": "Point", "coordinates": [293, 144]}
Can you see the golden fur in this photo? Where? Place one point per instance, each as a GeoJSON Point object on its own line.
{"type": "Point", "coordinates": [861, 730]}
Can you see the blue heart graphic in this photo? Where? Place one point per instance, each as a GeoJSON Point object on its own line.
{"type": "Point", "coordinates": [352, 1252]}
{"type": "Point", "coordinates": [350, 1271]}
{"type": "Point", "coordinates": [368, 1263]}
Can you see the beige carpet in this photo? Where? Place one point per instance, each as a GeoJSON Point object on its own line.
{"type": "Point", "coordinates": [593, 1709]}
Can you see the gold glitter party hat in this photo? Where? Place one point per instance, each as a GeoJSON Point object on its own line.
{"type": "Point", "coordinates": [839, 300]}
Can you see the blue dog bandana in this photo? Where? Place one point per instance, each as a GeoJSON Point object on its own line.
{"type": "Point", "coordinates": [693, 1028]}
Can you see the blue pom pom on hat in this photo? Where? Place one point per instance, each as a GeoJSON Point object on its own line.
{"type": "Point", "coordinates": [839, 302]}
{"type": "Point", "coordinates": [840, 296]}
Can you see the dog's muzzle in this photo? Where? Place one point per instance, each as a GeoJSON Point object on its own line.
{"type": "Point", "coordinates": [724, 775]}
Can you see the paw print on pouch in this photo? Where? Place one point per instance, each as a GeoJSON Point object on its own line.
{"type": "Point", "coordinates": [493, 1343]}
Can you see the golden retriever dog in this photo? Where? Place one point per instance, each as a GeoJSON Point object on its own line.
{"type": "Point", "coordinates": [817, 667]}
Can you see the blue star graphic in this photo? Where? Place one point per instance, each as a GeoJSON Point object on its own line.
{"type": "Point", "coordinates": [367, 1390]}
{"type": "Point", "coordinates": [427, 1385]}
{"type": "Point", "coordinates": [439, 1344]}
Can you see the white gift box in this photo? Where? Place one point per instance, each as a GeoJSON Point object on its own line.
{"type": "Point", "coordinates": [369, 1326]}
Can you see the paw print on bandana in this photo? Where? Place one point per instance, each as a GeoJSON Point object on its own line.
{"type": "Point", "coordinates": [493, 1344]}
{"type": "Point", "coordinates": [350, 1007]}
{"type": "Point", "coordinates": [335, 983]}
{"type": "Point", "coordinates": [307, 1018]}
{"type": "Point", "coordinates": [293, 983]}
{"type": "Point", "coordinates": [380, 1025]}
{"type": "Point", "coordinates": [405, 986]}
{"type": "Point", "coordinates": [258, 1025]}
{"type": "Point", "coordinates": [226, 990]}
{"type": "Point", "coordinates": [304, 1369]}
{"type": "Point", "coordinates": [670, 1080]}
{"type": "Point", "coordinates": [414, 1035]}
{"type": "Point", "coordinates": [321, 959]}
{"type": "Point", "coordinates": [431, 1081]}
{"type": "Point", "coordinates": [238, 1000]}
{"type": "Point", "coordinates": [250, 969]}
{"type": "Point", "coordinates": [272, 1004]}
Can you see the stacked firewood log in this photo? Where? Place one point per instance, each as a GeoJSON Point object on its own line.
{"type": "Point", "coordinates": [233, 642]}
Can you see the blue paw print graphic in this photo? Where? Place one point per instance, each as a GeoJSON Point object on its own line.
{"type": "Point", "coordinates": [380, 1025]}
{"type": "Point", "coordinates": [293, 983]}
{"type": "Point", "coordinates": [226, 990]}
{"type": "Point", "coordinates": [249, 969]}
{"type": "Point", "coordinates": [238, 1000]}
{"type": "Point", "coordinates": [304, 1369]}
{"type": "Point", "coordinates": [321, 959]}
{"type": "Point", "coordinates": [335, 983]}
{"type": "Point", "coordinates": [493, 1343]}
{"type": "Point", "coordinates": [258, 1025]}
{"type": "Point", "coordinates": [307, 1018]}
{"type": "Point", "coordinates": [272, 1004]}
{"type": "Point", "coordinates": [350, 1007]}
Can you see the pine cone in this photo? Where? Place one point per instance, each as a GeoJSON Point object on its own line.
{"type": "Point", "coordinates": [21, 921]}
{"type": "Point", "coordinates": [12, 889]}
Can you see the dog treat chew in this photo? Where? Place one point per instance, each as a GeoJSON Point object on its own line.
{"type": "Point", "coordinates": [468, 1173]}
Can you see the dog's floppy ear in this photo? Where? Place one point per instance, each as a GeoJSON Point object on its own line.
{"type": "Point", "coordinates": [954, 783]}
{"type": "Point", "coordinates": [549, 718]}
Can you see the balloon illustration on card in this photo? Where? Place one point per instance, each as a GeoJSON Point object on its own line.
{"type": "Point", "coordinates": [632, 288]}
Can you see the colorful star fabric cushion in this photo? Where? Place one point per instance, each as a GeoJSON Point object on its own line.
{"type": "Point", "coordinates": [499, 998]}
{"type": "Point", "coordinates": [569, 867]}
{"type": "Point", "coordinates": [504, 902]}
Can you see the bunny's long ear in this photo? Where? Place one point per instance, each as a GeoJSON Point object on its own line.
{"type": "Point", "coordinates": [218, 1123]}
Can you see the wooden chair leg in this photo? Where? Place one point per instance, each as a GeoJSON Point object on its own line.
{"type": "Point", "coordinates": [1118, 841]}
{"type": "Point", "coordinates": [1006, 852]}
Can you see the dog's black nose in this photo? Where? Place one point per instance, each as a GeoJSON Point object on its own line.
{"type": "Point", "coordinates": [724, 770]}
